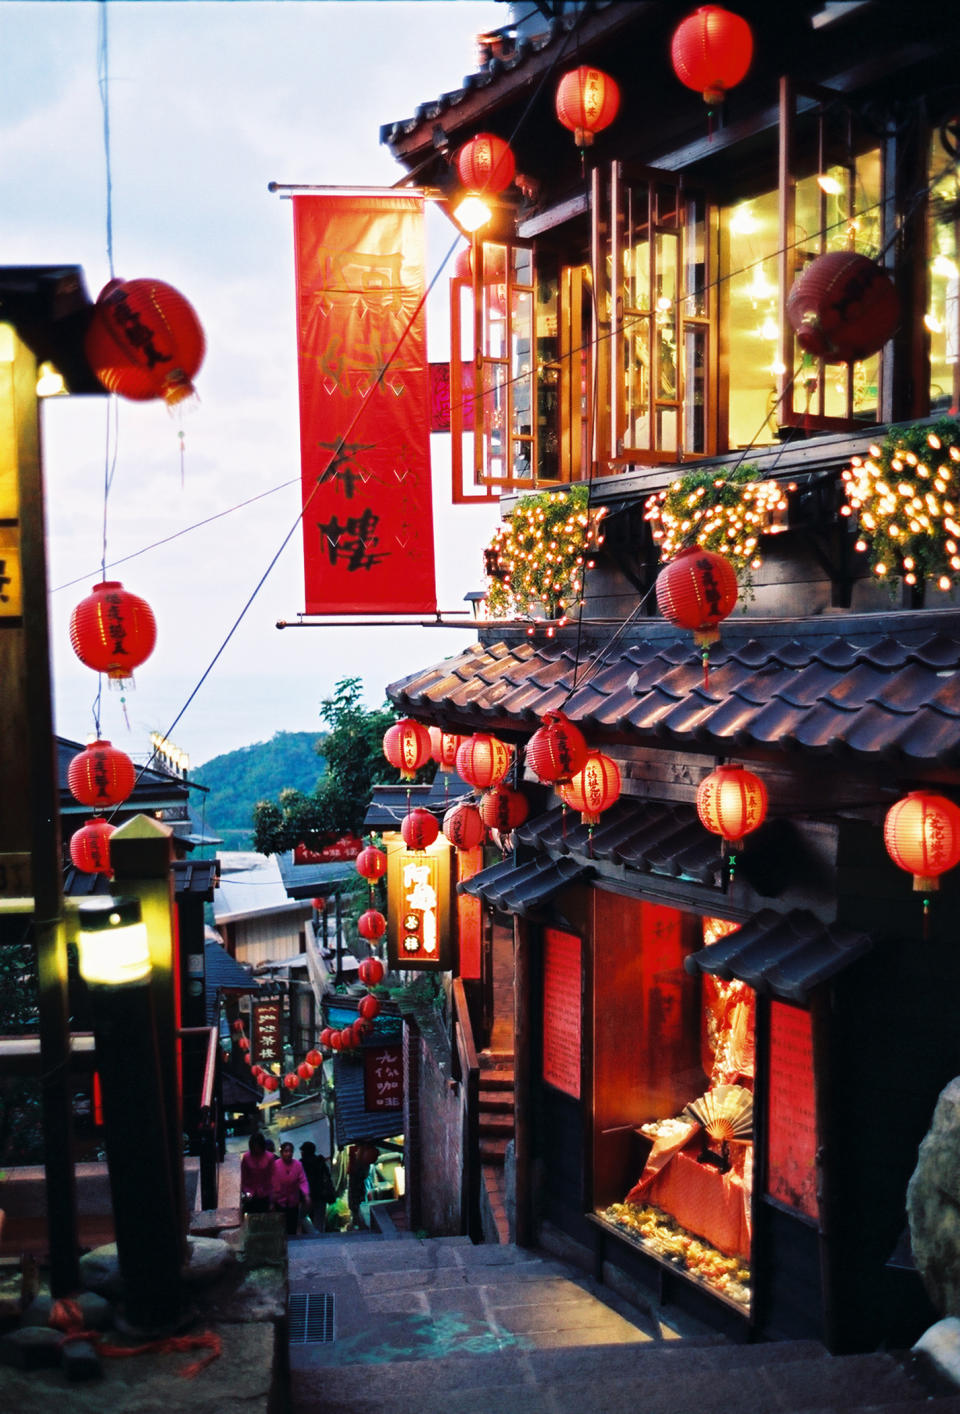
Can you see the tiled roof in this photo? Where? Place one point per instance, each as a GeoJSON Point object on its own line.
{"type": "Point", "coordinates": [860, 685]}
{"type": "Point", "coordinates": [786, 955]}
{"type": "Point", "coordinates": [650, 836]}
{"type": "Point", "coordinates": [523, 888]}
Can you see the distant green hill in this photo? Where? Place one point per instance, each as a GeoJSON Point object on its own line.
{"type": "Point", "coordinates": [238, 779]}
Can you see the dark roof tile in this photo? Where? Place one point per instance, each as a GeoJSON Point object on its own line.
{"type": "Point", "coordinates": [783, 954]}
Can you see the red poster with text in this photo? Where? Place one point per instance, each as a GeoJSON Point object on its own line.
{"type": "Point", "coordinates": [364, 404]}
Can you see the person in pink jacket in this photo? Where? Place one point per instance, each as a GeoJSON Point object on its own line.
{"type": "Point", "coordinates": [256, 1168]}
{"type": "Point", "coordinates": [289, 1187]}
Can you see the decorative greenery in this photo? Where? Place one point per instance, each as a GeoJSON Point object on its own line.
{"type": "Point", "coordinates": [906, 495]}
{"type": "Point", "coordinates": [724, 511]}
{"type": "Point", "coordinates": [540, 555]}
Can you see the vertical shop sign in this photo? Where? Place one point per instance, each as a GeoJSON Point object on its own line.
{"type": "Point", "coordinates": [562, 996]}
{"type": "Point", "coordinates": [364, 404]}
{"type": "Point", "coordinates": [267, 1033]}
{"type": "Point", "coordinates": [792, 1111]}
{"type": "Point", "coordinates": [383, 1078]}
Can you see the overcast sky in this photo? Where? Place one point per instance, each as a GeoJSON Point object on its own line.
{"type": "Point", "coordinates": [209, 101]}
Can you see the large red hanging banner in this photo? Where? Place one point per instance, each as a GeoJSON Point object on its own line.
{"type": "Point", "coordinates": [364, 404]}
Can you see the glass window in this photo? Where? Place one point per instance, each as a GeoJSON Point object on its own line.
{"type": "Point", "coordinates": [942, 318]}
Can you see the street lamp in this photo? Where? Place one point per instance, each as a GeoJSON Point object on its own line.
{"type": "Point", "coordinates": [112, 942]}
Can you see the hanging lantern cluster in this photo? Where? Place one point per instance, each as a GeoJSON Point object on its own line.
{"type": "Point", "coordinates": [711, 51]}
{"type": "Point", "coordinates": [587, 101]}
{"type": "Point", "coordinates": [267, 1079]}
{"type": "Point", "coordinates": [483, 760]}
{"type": "Point", "coordinates": [347, 1038]}
{"type": "Point", "coordinates": [144, 341]}
{"type": "Point", "coordinates": [843, 307]}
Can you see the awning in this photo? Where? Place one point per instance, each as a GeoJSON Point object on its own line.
{"type": "Point", "coordinates": [523, 888]}
{"type": "Point", "coordinates": [653, 836]}
{"type": "Point", "coordinates": [783, 954]}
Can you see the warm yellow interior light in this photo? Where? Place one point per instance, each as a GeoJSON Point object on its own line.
{"type": "Point", "coordinates": [112, 942]}
{"type": "Point", "coordinates": [472, 212]}
{"type": "Point", "coordinates": [50, 382]}
{"type": "Point", "coordinates": [832, 186]}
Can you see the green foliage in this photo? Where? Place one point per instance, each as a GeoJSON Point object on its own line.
{"type": "Point", "coordinates": [906, 494]}
{"type": "Point", "coordinates": [724, 511]}
{"type": "Point", "coordinates": [353, 751]}
{"type": "Point", "coordinates": [540, 555]}
{"type": "Point", "coordinates": [238, 779]}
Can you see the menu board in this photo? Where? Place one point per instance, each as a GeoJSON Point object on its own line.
{"type": "Point", "coordinates": [562, 994]}
{"type": "Point", "coordinates": [792, 1111]}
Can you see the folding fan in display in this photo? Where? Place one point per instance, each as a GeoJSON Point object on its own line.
{"type": "Point", "coordinates": [725, 1112]}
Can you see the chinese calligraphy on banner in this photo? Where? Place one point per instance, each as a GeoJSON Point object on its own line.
{"type": "Point", "coordinates": [364, 404]}
{"type": "Point", "coordinates": [792, 1111]}
{"type": "Point", "coordinates": [383, 1078]}
{"type": "Point", "coordinates": [267, 1033]}
{"type": "Point", "coordinates": [561, 1011]}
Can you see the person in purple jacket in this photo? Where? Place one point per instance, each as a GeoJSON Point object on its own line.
{"type": "Point", "coordinates": [289, 1187]}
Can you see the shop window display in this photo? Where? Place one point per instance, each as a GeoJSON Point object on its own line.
{"type": "Point", "coordinates": [691, 1202]}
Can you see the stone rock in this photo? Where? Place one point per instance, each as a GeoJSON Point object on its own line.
{"type": "Point", "coordinates": [938, 1352]}
{"type": "Point", "coordinates": [209, 1258]}
{"type": "Point", "coordinates": [100, 1271]}
{"type": "Point", "coordinates": [96, 1311]}
{"type": "Point", "coordinates": [80, 1361]}
{"type": "Point", "coordinates": [38, 1312]}
{"type": "Point", "coordinates": [933, 1204]}
{"type": "Point", "coordinates": [30, 1348]}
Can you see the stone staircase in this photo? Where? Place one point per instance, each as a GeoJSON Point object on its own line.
{"type": "Point", "coordinates": [421, 1326]}
{"type": "Point", "coordinates": [496, 1106]}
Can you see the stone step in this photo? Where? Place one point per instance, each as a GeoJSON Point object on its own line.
{"type": "Point", "coordinates": [495, 1126]}
{"type": "Point", "coordinates": [499, 1103]}
{"type": "Point", "coordinates": [493, 1151]}
{"type": "Point", "coordinates": [496, 1079]}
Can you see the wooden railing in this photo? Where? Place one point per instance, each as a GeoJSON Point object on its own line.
{"type": "Point", "coordinates": [467, 1075]}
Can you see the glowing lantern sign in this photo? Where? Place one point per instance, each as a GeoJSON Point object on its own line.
{"type": "Point", "coordinates": [731, 802]}
{"type": "Point", "coordinates": [922, 836]}
{"type": "Point", "coordinates": [843, 307]}
{"type": "Point", "coordinates": [486, 164]}
{"type": "Point", "coordinates": [587, 101]}
{"type": "Point", "coordinates": [407, 746]}
{"type": "Point", "coordinates": [371, 864]}
{"type": "Point", "coordinates": [90, 847]}
{"type": "Point", "coordinates": [711, 51]}
{"type": "Point", "coordinates": [419, 829]}
{"type": "Point", "coordinates": [113, 631]}
{"type": "Point", "coordinates": [444, 747]}
{"type": "Point", "coordinates": [370, 971]}
{"type": "Point", "coordinates": [371, 925]}
{"type": "Point", "coordinates": [557, 750]}
{"type": "Point", "coordinates": [503, 809]}
{"type": "Point", "coordinates": [483, 760]}
{"type": "Point", "coordinates": [594, 788]}
{"type": "Point", "coordinates": [144, 341]}
{"type": "Point", "coordinates": [101, 776]}
{"type": "Point", "coordinates": [463, 826]}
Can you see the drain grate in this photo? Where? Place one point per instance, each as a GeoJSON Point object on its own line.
{"type": "Point", "coordinates": [311, 1318]}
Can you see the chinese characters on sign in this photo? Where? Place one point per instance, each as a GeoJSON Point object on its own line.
{"type": "Point", "coordinates": [792, 1111]}
{"type": "Point", "coordinates": [561, 1011]}
{"type": "Point", "coordinates": [267, 1030]}
{"type": "Point", "coordinates": [419, 910]}
{"type": "Point", "coordinates": [383, 1078]}
{"type": "Point", "coordinates": [364, 404]}
{"type": "Point", "coordinates": [329, 849]}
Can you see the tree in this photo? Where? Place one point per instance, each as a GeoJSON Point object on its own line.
{"type": "Point", "coordinates": [353, 751]}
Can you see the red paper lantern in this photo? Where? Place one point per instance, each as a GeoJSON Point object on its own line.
{"type": "Point", "coordinates": [594, 788]}
{"type": "Point", "coordinates": [444, 747]}
{"type": "Point", "coordinates": [843, 307]}
{"type": "Point", "coordinates": [325, 1035]}
{"type": "Point", "coordinates": [314, 1058]}
{"type": "Point", "coordinates": [371, 863]}
{"type": "Point", "coordinates": [271, 1082]}
{"type": "Point", "coordinates": [347, 1038]}
{"type": "Point", "coordinates": [922, 836]}
{"type": "Point", "coordinates": [696, 590]}
{"type": "Point", "coordinates": [419, 829]}
{"type": "Point", "coordinates": [237, 1025]}
{"type": "Point", "coordinates": [486, 163]}
{"type": "Point", "coordinates": [483, 760]}
{"type": "Point", "coordinates": [587, 101]}
{"type": "Point", "coordinates": [243, 1043]}
{"type": "Point", "coordinates": [463, 826]}
{"type": "Point", "coordinates": [144, 341]}
{"type": "Point", "coordinates": [360, 1029]}
{"type": "Point", "coordinates": [305, 1070]}
{"type": "Point", "coordinates": [291, 1081]}
{"type": "Point", "coordinates": [503, 809]}
{"type": "Point", "coordinates": [101, 775]}
{"type": "Point", "coordinates": [732, 802]}
{"type": "Point", "coordinates": [557, 750]}
{"type": "Point", "coordinates": [406, 745]}
{"type": "Point", "coordinates": [371, 925]}
{"type": "Point", "coordinates": [370, 971]}
{"type": "Point", "coordinates": [319, 904]}
{"type": "Point", "coordinates": [369, 1008]}
{"type": "Point", "coordinates": [90, 847]}
{"type": "Point", "coordinates": [711, 51]}
{"type": "Point", "coordinates": [112, 630]}
{"type": "Point", "coordinates": [336, 1041]}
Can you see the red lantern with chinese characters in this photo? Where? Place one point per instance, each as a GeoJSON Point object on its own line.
{"type": "Point", "coordinates": [371, 863]}
{"type": "Point", "coordinates": [371, 925]}
{"type": "Point", "coordinates": [419, 829]}
{"type": "Point", "coordinates": [711, 51]}
{"type": "Point", "coordinates": [444, 747]}
{"type": "Point", "coordinates": [696, 590]}
{"type": "Point", "coordinates": [463, 826]}
{"type": "Point", "coordinates": [113, 631]}
{"type": "Point", "coordinates": [587, 101]}
{"type": "Point", "coordinates": [594, 788]}
{"type": "Point", "coordinates": [843, 307]}
{"type": "Point", "coordinates": [90, 847]}
{"type": "Point", "coordinates": [370, 971]}
{"type": "Point", "coordinates": [314, 1058]}
{"type": "Point", "coordinates": [486, 164]}
{"type": "Point", "coordinates": [305, 1070]}
{"type": "Point", "coordinates": [101, 775]}
{"type": "Point", "coordinates": [144, 341]}
{"type": "Point", "coordinates": [406, 745]}
{"type": "Point", "coordinates": [368, 1008]}
{"type": "Point", "coordinates": [732, 802]}
{"type": "Point", "coordinates": [503, 809]}
{"type": "Point", "coordinates": [557, 750]}
{"type": "Point", "coordinates": [922, 836]}
{"type": "Point", "coordinates": [483, 760]}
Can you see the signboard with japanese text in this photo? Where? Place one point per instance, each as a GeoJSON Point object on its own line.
{"type": "Point", "coordinates": [364, 403]}
{"type": "Point", "coordinates": [418, 906]}
{"type": "Point", "coordinates": [267, 1030]}
{"type": "Point", "coordinates": [383, 1078]}
{"type": "Point", "coordinates": [792, 1111]}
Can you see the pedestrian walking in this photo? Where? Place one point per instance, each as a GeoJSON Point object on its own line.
{"type": "Point", "coordinates": [322, 1191]}
{"type": "Point", "coordinates": [289, 1187]}
{"type": "Point", "coordinates": [256, 1169]}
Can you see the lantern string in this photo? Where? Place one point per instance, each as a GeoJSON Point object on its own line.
{"type": "Point", "coordinates": [103, 80]}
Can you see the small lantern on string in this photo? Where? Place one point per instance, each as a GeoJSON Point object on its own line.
{"type": "Point", "coordinates": [843, 307]}
{"type": "Point", "coordinates": [711, 51]}
{"type": "Point", "coordinates": [101, 775]}
{"type": "Point", "coordinates": [419, 829]}
{"type": "Point", "coordinates": [314, 1058]}
{"type": "Point", "coordinates": [371, 864]}
{"type": "Point", "coordinates": [463, 826]}
{"type": "Point", "coordinates": [483, 760]}
{"type": "Point", "coordinates": [369, 1007]}
{"type": "Point", "coordinates": [557, 750]}
{"type": "Point", "coordinates": [587, 101]}
{"type": "Point", "coordinates": [406, 745]}
{"type": "Point", "coordinates": [444, 747]}
{"type": "Point", "coordinates": [370, 971]}
{"type": "Point", "coordinates": [696, 591]}
{"type": "Point", "coordinates": [594, 788]}
{"type": "Point", "coordinates": [922, 835]}
{"type": "Point", "coordinates": [731, 803]}
{"type": "Point", "coordinates": [371, 925]}
{"type": "Point", "coordinates": [90, 847]}
{"type": "Point", "coordinates": [503, 808]}
{"type": "Point", "coordinates": [486, 164]}
{"type": "Point", "coordinates": [113, 631]}
{"type": "Point", "coordinates": [144, 341]}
